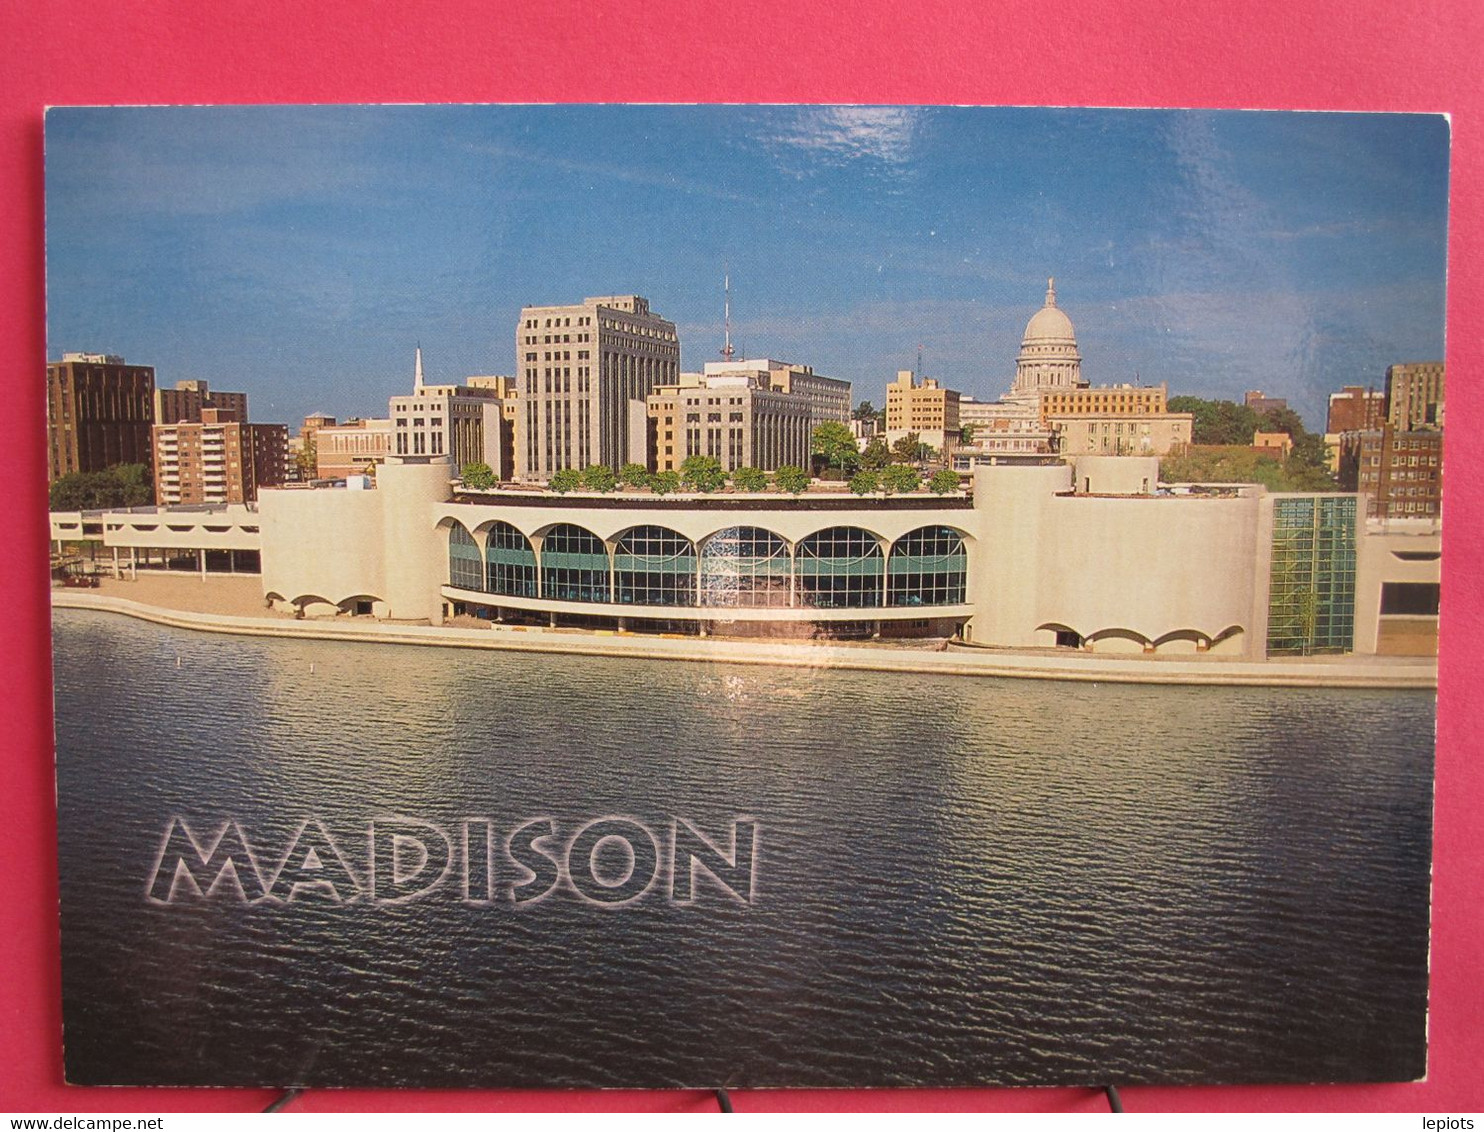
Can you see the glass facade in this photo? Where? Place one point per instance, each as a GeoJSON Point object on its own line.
{"type": "Point", "coordinates": [654, 566]}
{"type": "Point", "coordinates": [928, 566]}
{"type": "Point", "coordinates": [510, 563]}
{"type": "Point", "coordinates": [745, 567]}
{"type": "Point", "coordinates": [464, 568]}
{"type": "Point", "coordinates": [840, 568]}
{"type": "Point", "coordinates": [1311, 600]}
{"type": "Point", "coordinates": [574, 565]}
{"type": "Point", "coordinates": [739, 567]}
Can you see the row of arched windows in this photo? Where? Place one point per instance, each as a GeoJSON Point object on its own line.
{"type": "Point", "coordinates": [740, 567]}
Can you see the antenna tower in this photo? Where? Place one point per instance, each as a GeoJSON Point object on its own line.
{"type": "Point", "coordinates": [726, 349]}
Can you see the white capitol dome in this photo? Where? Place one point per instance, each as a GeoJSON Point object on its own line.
{"type": "Point", "coordinates": [1050, 323]}
{"type": "Point", "coordinates": [1048, 358]}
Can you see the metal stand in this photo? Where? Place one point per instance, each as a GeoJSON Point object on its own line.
{"type": "Point", "coordinates": [289, 1097]}
{"type": "Point", "coordinates": [723, 1099]}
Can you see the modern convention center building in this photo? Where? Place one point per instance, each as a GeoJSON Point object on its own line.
{"type": "Point", "coordinates": [1089, 554]}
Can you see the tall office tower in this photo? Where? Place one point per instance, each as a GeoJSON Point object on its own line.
{"type": "Point", "coordinates": [1400, 472]}
{"type": "Point", "coordinates": [585, 372]}
{"type": "Point", "coordinates": [828, 398]}
{"type": "Point", "coordinates": [1354, 409]}
{"type": "Point", "coordinates": [1261, 404]}
{"type": "Point", "coordinates": [99, 413]}
{"type": "Point", "coordinates": [461, 421]}
{"type": "Point", "coordinates": [926, 406]}
{"type": "Point", "coordinates": [351, 448]}
{"type": "Point", "coordinates": [217, 459]}
{"type": "Point", "coordinates": [185, 402]}
{"type": "Point", "coordinates": [1414, 395]}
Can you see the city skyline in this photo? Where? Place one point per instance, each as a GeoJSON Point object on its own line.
{"type": "Point", "coordinates": [300, 253]}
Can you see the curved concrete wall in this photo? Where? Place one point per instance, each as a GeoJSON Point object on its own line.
{"type": "Point", "coordinates": [1135, 569]}
{"type": "Point", "coordinates": [1152, 565]}
{"type": "Point", "coordinates": [416, 554]}
{"type": "Point", "coordinates": [326, 544]}
{"type": "Point", "coordinates": [1004, 581]}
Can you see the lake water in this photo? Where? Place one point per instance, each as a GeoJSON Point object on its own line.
{"type": "Point", "coordinates": [956, 881]}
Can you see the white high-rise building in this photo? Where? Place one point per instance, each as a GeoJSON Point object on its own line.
{"type": "Point", "coordinates": [584, 372]}
{"type": "Point", "coordinates": [457, 421]}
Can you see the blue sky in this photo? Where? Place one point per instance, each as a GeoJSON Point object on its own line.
{"type": "Point", "coordinates": [300, 253]}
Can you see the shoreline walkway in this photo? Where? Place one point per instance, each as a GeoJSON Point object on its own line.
{"type": "Point", "coordinates": [229, 612]}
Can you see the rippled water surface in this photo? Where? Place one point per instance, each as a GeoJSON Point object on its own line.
{"type": "Point", "coordinates": [957, 881]}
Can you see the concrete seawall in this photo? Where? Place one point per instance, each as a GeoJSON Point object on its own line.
{"type": "Point", "coordinates": [1316, 672]}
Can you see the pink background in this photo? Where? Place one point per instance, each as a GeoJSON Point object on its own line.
{"type": "Point", "coordinates": [1326, 54]}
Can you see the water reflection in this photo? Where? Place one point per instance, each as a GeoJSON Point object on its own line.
{"type": "Point", "coordinates": [958, 881]}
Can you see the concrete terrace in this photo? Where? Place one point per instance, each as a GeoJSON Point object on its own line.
{"type": "Point", "coordinates": [236, 605]}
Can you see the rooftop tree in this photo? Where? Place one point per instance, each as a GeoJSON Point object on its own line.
{"type": "Point", "coordinates": [791, 479]}
{"type": "Point", "coordinates": [568, 479]}
{"type": "Point", "coordinates": [478, 477]}
{"type": "Point", "coordinates": [901, 478]}
{"type": "Point", "coordinates": [599, 477]}
{"type": "Point", "coordinates": [749, 479]}
{"type": "Point", "coordinates": [944, 481]}
{"type": "Point", "coordinates": [702, 473]}
{"type": "Point", "coordinates": [835, 445]}
{"type": "Point", "coordinates": [876, 455]}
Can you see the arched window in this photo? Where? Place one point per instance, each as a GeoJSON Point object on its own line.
{"type": "Point", "coordinates": [574, 565]}
{"type": "Point", "coordinates": [745, 567]}
{"type": "Point", "coordinates": [840, 568]}
{"type": "Point", "coordinates": [509, 562]}
{"type": "Point", "coordinates": [464, 568]}
{"type": "Point", "coordinates": [654, 566]}
{"type": "Point", "coordinates": [928, 566]}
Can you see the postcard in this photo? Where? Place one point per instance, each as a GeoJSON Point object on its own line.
{"type": "Point", "coordinates": [735, 596]}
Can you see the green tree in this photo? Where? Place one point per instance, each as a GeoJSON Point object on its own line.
{"type": "Point", "coordinates": [478, 477]}
{"type": "Point", "coordinates": [909, 449]}
{"type": "Point", "coordinates": [791, 479]}
{"type": "Point", "coordinates": [835, 445]}
{"type": "Point", "coordinates": [1307, 466]}
{"type": "Point", "coordinates": [944, 481]}
{"type": "Point", "coordinates": [1230, 463]}
{"type": "Point", "coordinates": [1218, 422]}
{"type": "Point", "coordinates": [901, 478]}
{"type": "Point", "coordinates": [876, 455]}
{"type": "Point", "coordinates": [663, 483]}
{"type": "Point", "coordinates": [865, 482]}
{"type": "Point", "coordinates": [599, 477]}
{"type": "Point", "coordinates": [122, 485]}
{"type": "Point", "coordinates": [966, 435]}
{"type": "Point", "coordinates": [633, 475]}
{"type": "Point", "coordinates": [1283, 420]}
{"type": "Point", "coordinates": [750, 479]}
{"type": "Point", "coordinates": [866, 411]}
{"type": "Point", "coordinates": [135, 485]}
{"type": "Point", "coordinates": [306, 460]}
{"type": "Point", "coordinates": [568, 479]}
{"type": "Point", "coordinates": [702, 473]}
